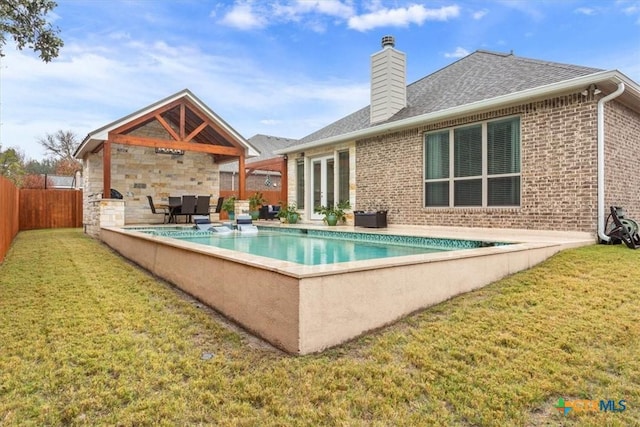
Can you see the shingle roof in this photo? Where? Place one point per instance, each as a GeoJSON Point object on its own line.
{"type": "Point", "coordinates": [266, 145]}
{"type": "Point", "coordinates": [479, 76]}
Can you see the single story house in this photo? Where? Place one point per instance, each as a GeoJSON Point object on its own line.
{"type": "Point", "coordinates": [491, 140]}
{"type": "Point", "coordinates": [172, 147]}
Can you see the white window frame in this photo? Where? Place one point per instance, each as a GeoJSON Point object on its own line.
{"type": "Point", "coordinates": [452, 179]}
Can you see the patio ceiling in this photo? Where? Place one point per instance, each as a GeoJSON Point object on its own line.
{"type": "Point", "coordinates": [179, 125]}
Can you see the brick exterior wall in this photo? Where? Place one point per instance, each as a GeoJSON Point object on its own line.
{"type": "Point", "coordinates": [558, 175]}
{"type": "Point", "coordinates": [622, 159]}
{"type": "Point", "coordinates": [139, 171]}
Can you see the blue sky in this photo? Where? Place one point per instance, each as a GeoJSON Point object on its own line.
{"type": "Point", "coordinates": [280, 67]}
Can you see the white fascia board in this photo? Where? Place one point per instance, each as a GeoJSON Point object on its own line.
{"type": "Point", "coordinates": [567, 85]}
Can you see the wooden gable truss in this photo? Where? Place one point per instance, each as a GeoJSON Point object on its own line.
{"type": "Point", "coordinates": [178, 125]}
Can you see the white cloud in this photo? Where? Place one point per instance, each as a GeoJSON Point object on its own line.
{"type": "Point", "coordinates": [530, 8]}
{"type": "Point", "coordinates": [315, 14]}
{"type": "Point", "coordinates": [249, 16]}
{"type": "Point", "coordinates": [334, 8]}
{"type": "Point", "coordinates": [632, 10]}
{"type": "Point", "coordinates": [480, 14]}
{"type": "Point", "coordinates": [460, 52]}
{"type": "Point", "coordinates": [243, 17]}
{"type": "Point", "coordinates": [92, 85]}
{"type": "Point", "coordinates": [585, 11]}
{"type": "Point", "coordinates": [402, 17]}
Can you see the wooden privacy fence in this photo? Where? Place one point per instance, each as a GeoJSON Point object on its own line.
{"type": "Point", "coordinates": [50, 209]}
{"type": "Point", "coordinates": [9, 223]}
{"type": "Point", "coordinates": [27, 209]}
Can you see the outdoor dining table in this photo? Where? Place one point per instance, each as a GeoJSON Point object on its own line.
{"type": "Point", "coordinates": [187, 205]}
{"type": "Point", "coordinates": [173, 208]}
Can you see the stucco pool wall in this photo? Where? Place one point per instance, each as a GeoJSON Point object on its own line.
{"type": "Point", "coordinates": [305, 309]}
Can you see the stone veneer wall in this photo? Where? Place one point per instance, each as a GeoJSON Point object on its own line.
{"type": "Point", "coordinates": [622, 159]}
{"type": "Point", "coordinates": [558, 174]}
{"type": "Point", "coordinates": [137, 172]}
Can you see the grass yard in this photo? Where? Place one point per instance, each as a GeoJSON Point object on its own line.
{"type": "Point", "coordinates": [88, 339]}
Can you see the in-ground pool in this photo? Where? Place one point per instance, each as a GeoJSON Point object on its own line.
{"type": "Point", "coordinates": [304, 308]}
{"type": "Point", "coordinates": [316, 247]}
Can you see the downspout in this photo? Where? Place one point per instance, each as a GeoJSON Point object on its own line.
{"type": "Point", "coordinates": [601, 218]}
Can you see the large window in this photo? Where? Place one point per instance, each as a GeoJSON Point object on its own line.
{"type": "Point", "coordinates": [476, 165]}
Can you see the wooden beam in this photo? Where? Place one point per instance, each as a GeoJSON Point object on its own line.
{"type": "Point", "coordinates": [241, 177]}
{"type": "Point", "coordinates": [182, 122]}
{"type": "Point", "coordinates": [176, 145]}
{"type": "Point", "coordinates": [106, 170]}
{"type": "Point", "coordinates": [136, 122]}
{"type": "Point", "coordinates": [226, 135]}
{"type": "Point", "coordinates": [168, 128]}
{"type": "Point", "coordinates": [273, 164]}
{"type": "Point", "coordinates": [183, 103]}
{"type": "Point", "coordinates": [196, 131]}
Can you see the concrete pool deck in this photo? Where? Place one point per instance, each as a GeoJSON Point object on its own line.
{"type": "Point", "coordinates": [304, 309]}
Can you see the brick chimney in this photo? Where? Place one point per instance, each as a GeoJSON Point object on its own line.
{"type": "Point", "coordinates": [388, 81]}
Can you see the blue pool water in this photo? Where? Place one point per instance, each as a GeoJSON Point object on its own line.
{"type": "Point", "coordinates": [316, 247]}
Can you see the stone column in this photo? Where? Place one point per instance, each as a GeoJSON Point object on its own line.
{"type": "Point", "coordinates": [111, 213]}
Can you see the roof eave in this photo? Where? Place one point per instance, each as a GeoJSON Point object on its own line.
{"type": "Point", "coordinates": [541, 91]}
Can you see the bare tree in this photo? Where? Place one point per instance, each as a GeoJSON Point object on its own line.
{"type": "Point", "coordinates": [60, 145]}
{"type": "Point", "coordinates": [26, 21]}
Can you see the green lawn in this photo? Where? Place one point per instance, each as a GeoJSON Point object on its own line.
{"type": "Point", "coordinates": [88, 339]}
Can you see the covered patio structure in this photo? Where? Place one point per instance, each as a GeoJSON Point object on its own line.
{"type": "Point", "coordinates": [172, 147]}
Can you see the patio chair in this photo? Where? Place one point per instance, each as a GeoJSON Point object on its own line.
{"type": "Point", "coordinates": [622, 229]}
{"type": "Point", "coordinates": [269, 212]}
{"type": "Point", "coordinates": [188, 207]}
{"type": "Point", "coordinates": [202, 206]}
{"type": "Point", "coordinates": [219, 205]}
{"type": "Point", "coordinates": [218, 209]}
{"type": "Point", "coordinates": [175, 205]}
{"type": "Point", "coordinates": [158, 211]}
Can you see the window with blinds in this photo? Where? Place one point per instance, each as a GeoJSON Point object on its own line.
{"type": "Point", "coordinates": [437, 169]}
{"type": "Point", "coordinates": [467, 152]}
{"type": "Point", "coordinates": [476, 165]}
